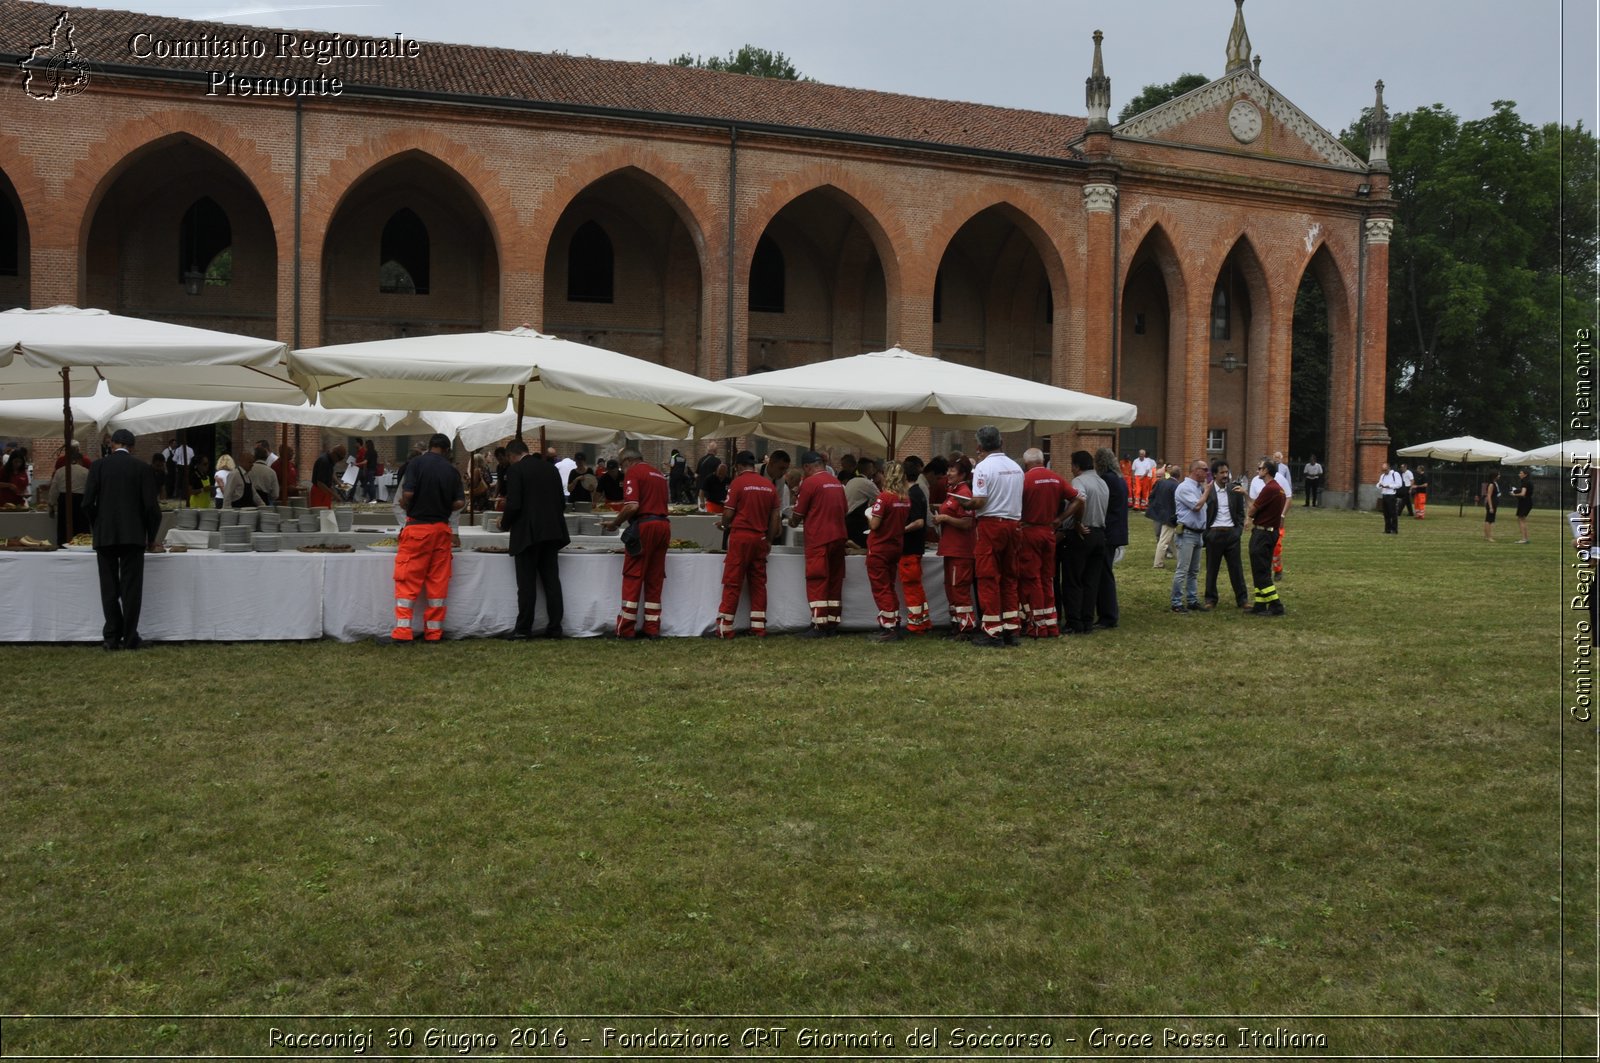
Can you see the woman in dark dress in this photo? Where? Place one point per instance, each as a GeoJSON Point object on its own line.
{"type": "Point", "coordinates": [1491, 504]}
{"type": "Point", "coordinates": [1523, 493]}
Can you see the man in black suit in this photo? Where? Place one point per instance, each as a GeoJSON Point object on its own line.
{"type": "Point", "coordinates": [535, 517]}
{"type": "Point", "coordinates": [119, 499]}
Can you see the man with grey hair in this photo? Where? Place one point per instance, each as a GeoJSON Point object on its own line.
{"type": "Point", "coordinates": [1083, 546]}
{"type": "Point", "coordinates": [997, 502]}
{"type": "Point", "coordinates": [1044, 494]}
{"type": "Point", "coordinates": [644, 568]}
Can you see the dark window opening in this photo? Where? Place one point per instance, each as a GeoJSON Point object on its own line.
{"type": "Point", "coordinates": [403, 255]}
{"type": "Point", "coordinates": [205, 244]}
{"type": "Point", "coordinates": [766, 278]}
{"type": "Point", "coordinates": [1221, 313]}
{"type": "Point", "coordinates": [1049, 305]}
{"type": "Point", "coordinates": [938, 297]}
{"type": "Point", "coordinates": [1138, 324]}
{"type": "Point", "coordinates": [590, 266]}
{"type": "Point", "coordinates": [10, 241]}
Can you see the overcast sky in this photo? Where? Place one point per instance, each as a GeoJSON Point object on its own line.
{"type": "Point", "coordinates": [1323, 54]}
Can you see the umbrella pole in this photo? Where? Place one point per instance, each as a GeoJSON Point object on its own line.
{"type": "Point", "coordinates": [183, 446]}
{"type": "Point", "coordinates": [472, 482]}
{"type": "Point", "coordinates": [522, 400]}
{"type": "Point", "coordinates": [541, 441]}
{"type": "Point", "coordinates": [66, 444]}
{"type": "Point", "coordinates": [813, 446]}
{"type": "Point", "coordinates": [894, 419]}
{"type": "Point", "coordinates": [283, 434]}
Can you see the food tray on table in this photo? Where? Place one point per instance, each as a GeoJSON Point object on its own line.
{"type": "Point", "coordinates": [330, 548]}
{"type": "Point", "coordinates": [28, 544]}
{"type": "Point", "coordinates": [491, 549]}
{"type": "Point", "coordinates": [684, 545]}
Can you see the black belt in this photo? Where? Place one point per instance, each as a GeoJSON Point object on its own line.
{"type": "Point", "coordinates": [646, 518]}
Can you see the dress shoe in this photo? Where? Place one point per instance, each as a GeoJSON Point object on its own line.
{"type": "Point", "coordinates": [554, 633]}
{"type": "Point", "coordinates": [132, 642]}
{"type": "Point", "coordinates": [889, 634]}
{"type": "Point", "coordinates": [988, 642]}
{"type": "Point", "coordinates": [812, 632]}
{"type": "Point", "coordinates": [518, 636]}
{"type": "Point", "coordinates": [1012, 639]}
{"type": "Point", "coordinates": [111, 645]}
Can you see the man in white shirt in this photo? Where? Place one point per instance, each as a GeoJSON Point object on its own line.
{"type": "Point", "coordinates": [1144, 469]}
{"type": "Point", "coordinates": [1389, 484]}
{"type": "Point", "coordinates": [564, 466]}
{"type": "Point", "coordinates": [997, 501]}
{"type": "Point", "coordinates": [1403, 503]}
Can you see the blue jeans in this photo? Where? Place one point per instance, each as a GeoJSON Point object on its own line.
{"type": "Point", "coordinates": [1184, 589]}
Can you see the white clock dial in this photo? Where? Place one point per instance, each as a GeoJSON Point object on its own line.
{"type": "Point", "coordinates": [1244, 121]}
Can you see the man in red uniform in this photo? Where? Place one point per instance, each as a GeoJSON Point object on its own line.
{"type": "Point", "coordinates": [750, 518]}
{"type": "Point", "coordinates": [422, 565]}
{"type": "Point", "coordinates": [1044, 493]}
{"type": "Point", "coordinates": [956, 547]}
{"type": "Point", "coordinates": [644, 502]}
{"type": "Point", "coordinates": [997, 500]}
{"type": "Point", "coordinates": [820, 508]}
{"type": "Point", "coordinates": [1266, 515]}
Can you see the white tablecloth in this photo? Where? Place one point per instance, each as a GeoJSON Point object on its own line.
{"type": "Point", "coordinates": [202, 596]}
{"type": "Point", "coordinates": [209, 595]}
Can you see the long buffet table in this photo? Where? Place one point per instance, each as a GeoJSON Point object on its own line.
{"type": "Point", "coordinates": [206, 595]}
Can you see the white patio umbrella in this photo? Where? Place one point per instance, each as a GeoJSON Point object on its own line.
{"type": "Point", "coordinates": [895, 388]}
{"type": "Point", "coordinates": [169, 415]}
{"type": "Point", "coordinates": [42, 417]}
{"type": "Point", "coordinates": [1468, 450]}
{"type": "Point", "coordinates": [541, 375]}
{"type": "Point", "coordinates": [1568, 454]}
{"type": "Point", "coordinates": [136, 358]}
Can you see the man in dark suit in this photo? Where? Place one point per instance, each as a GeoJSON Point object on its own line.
{"type": "Point", "coordinates": [1108, 613]}
{"type": "Point", "coordinates": [535, 517]}
{"type": "Point", "coordinates": [119, 499]}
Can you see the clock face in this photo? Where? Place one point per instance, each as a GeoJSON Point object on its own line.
{"type": "Point", "coordinates": [1244, 121]}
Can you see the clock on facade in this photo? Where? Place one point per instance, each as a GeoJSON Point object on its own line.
{"type": "Point", "coordinates": [1244, 121]}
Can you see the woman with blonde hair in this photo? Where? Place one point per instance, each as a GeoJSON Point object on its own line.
{"type": "Point", "coordinates": [219, 478]}
{"type": "Point", "coordinates": [886, 532]}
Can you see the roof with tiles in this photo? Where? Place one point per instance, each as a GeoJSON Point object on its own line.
{"type": "Point", "coordinates": [103, 38]}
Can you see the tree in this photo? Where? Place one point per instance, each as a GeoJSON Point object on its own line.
{"type": "Point", "coordinates": [1156, 95]}
{"type": "Point", "coordinates": [1491, 271]}
{"type": "Point", "coordinates": [747, 60]}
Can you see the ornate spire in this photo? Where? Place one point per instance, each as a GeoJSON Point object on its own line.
{"type": "Point", "coordinates": [1378, 135]}
{"type": "Point", "coordinates": [1097, 91]}
{"type": "Point", "coordinates": [1238, 41]}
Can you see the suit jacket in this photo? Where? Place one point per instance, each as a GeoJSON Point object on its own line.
{"type": "Point", "coordinates": [119, 498]}
{"type": "Point", "coordinates": [1116, 510]}
{"type": "Point", "coordinates": [1163, 505]}
{"type": "Point", "coordinates": [1235, 507]}
{"type": "Point", "coordinates": [536, 505]}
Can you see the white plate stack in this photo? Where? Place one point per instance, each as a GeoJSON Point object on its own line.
{"type": "Point", "coordinates": [266, 543]}
{"type": "Point", "coordinates": [188, 519]}
{"type": "Point", "coordinates": [235, 539]}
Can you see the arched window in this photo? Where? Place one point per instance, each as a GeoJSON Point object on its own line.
{"type": "Point", "coordinates": [1221, 312]}
{"type": "Point", "coordinates": [590, 265]}
{"type": "Point", "coordinates": [938, 297]}
{"type": "Point", "coordinates": [205, 246]}
{"type": "Point", "coordinates": [10, 239]}
{"type": "Point", "coordinates": [403, 255]}
{"type": "Point", "coordinates": [766, 277]}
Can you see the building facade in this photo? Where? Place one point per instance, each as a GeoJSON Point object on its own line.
{"type": "Point", "coordinates": [712, 222]}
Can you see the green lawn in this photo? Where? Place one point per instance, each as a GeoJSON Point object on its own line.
{"type": "Point", "coordinates": [1354, 810]}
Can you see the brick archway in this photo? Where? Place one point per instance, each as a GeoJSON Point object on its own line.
{"type": "Point", "coordinates": [1022, 210]}
{"type": "Point", "coordinates": [675, 185]}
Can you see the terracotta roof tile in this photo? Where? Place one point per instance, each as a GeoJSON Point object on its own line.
{"type": "Point", "coordinates": [102, 37]}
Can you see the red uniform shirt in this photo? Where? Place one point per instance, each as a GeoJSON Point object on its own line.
{"type": "Point", "coordinates": [1043, 491]}
{"type": "Point", "coordinates": [1269, 505]}
{"type": "Point", "coordinates": [751, 498]}
{"type": "Point", "coordinates": [892, 512]}
{"type": "Point", "coordinates": [821, 506]}
{"type": "Point", "coordinates": [645, 485]}
{"type": "Point", "coordinates": [954, 541]}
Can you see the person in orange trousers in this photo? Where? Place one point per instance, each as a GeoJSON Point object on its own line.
{"type": "Point", "coordinates": [422, 565]}
{"type": "Point", "coordinates": [1044, 494]}
{"type": "Point", "coordinates": [886, 531]}
{"type": "Point", "coordinates": [1419, 491]}
{"type": "Point", "coordinates": [644, 502]}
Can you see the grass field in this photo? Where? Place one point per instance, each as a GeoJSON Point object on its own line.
{"type": "Point", "coordinates": [1355, 810]}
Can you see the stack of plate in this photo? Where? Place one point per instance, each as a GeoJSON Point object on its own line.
{"type": "Point", "coordinates": [308, 522]}
{"type": "Point", "coordinates": [345, 516]}
{"type": "Point", "coordinates": [228, 517]}
{"type": "Point", "coordinates": [188, 519]}
{"type": "Point", "coordinates": [266, 543]}
{"type": "Point", "coordinates": [247, 517]}
{"type": "Point", "coordinates": [270, 520]}
{"type": "Point", "coordinates": [210, 519]}
{"type": "Point", "coordinates": [235, 539]}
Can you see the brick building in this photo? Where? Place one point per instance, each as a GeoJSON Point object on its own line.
{"type": "Point", "coordinates": [208, 174]}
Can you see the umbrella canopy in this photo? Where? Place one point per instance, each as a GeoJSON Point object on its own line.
{"type": "Point", "coordinates": [1466, 449]}
{"type": "Point", "coordinates": [479, 372]}
{"type": "Point", "coordinates": [1573, 452]}
{"type": "Point", "coordinates": [475, 430]}
{"type": "Point", "coordinates": [91, 414]}
{"type": "Point", "coordinates": [913, 389]}
{"type": "Point", "coordinates": [170, 415]}
{"type": "Point", "coordinates": [136, 358]}
{"type": "Point", "coordinates": [862, 433]}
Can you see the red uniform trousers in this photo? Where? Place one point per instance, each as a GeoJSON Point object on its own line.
{"type": "Point", "coordinates": [421, 566]}
{"type": "Point", "coordinates": [882, 570]}
{"type": "Point", "coordinates": [1419, 501]}
{"type": "Point", "coordinates": [1036, 580]}
{"type": "Point", "coordinates": [825, 583]}
{"type": "Point", "coordinates": [747, 558]}
{"type": "Point", "coordinates": [996, 564]}
{"type": "Point", "coordinates": [642, 577]}
{"type": "Point", "coordinates": [918, 619]}
{"type": "Point", "coordinates": [958, 592]}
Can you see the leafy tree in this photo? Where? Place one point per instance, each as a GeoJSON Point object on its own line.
{"type": "Point", "coordinates": [747, 60]}
{"type": "Point", "coordinates": [1491, 271]}
{"type": "Point", "coordinates": [1156, 95]}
